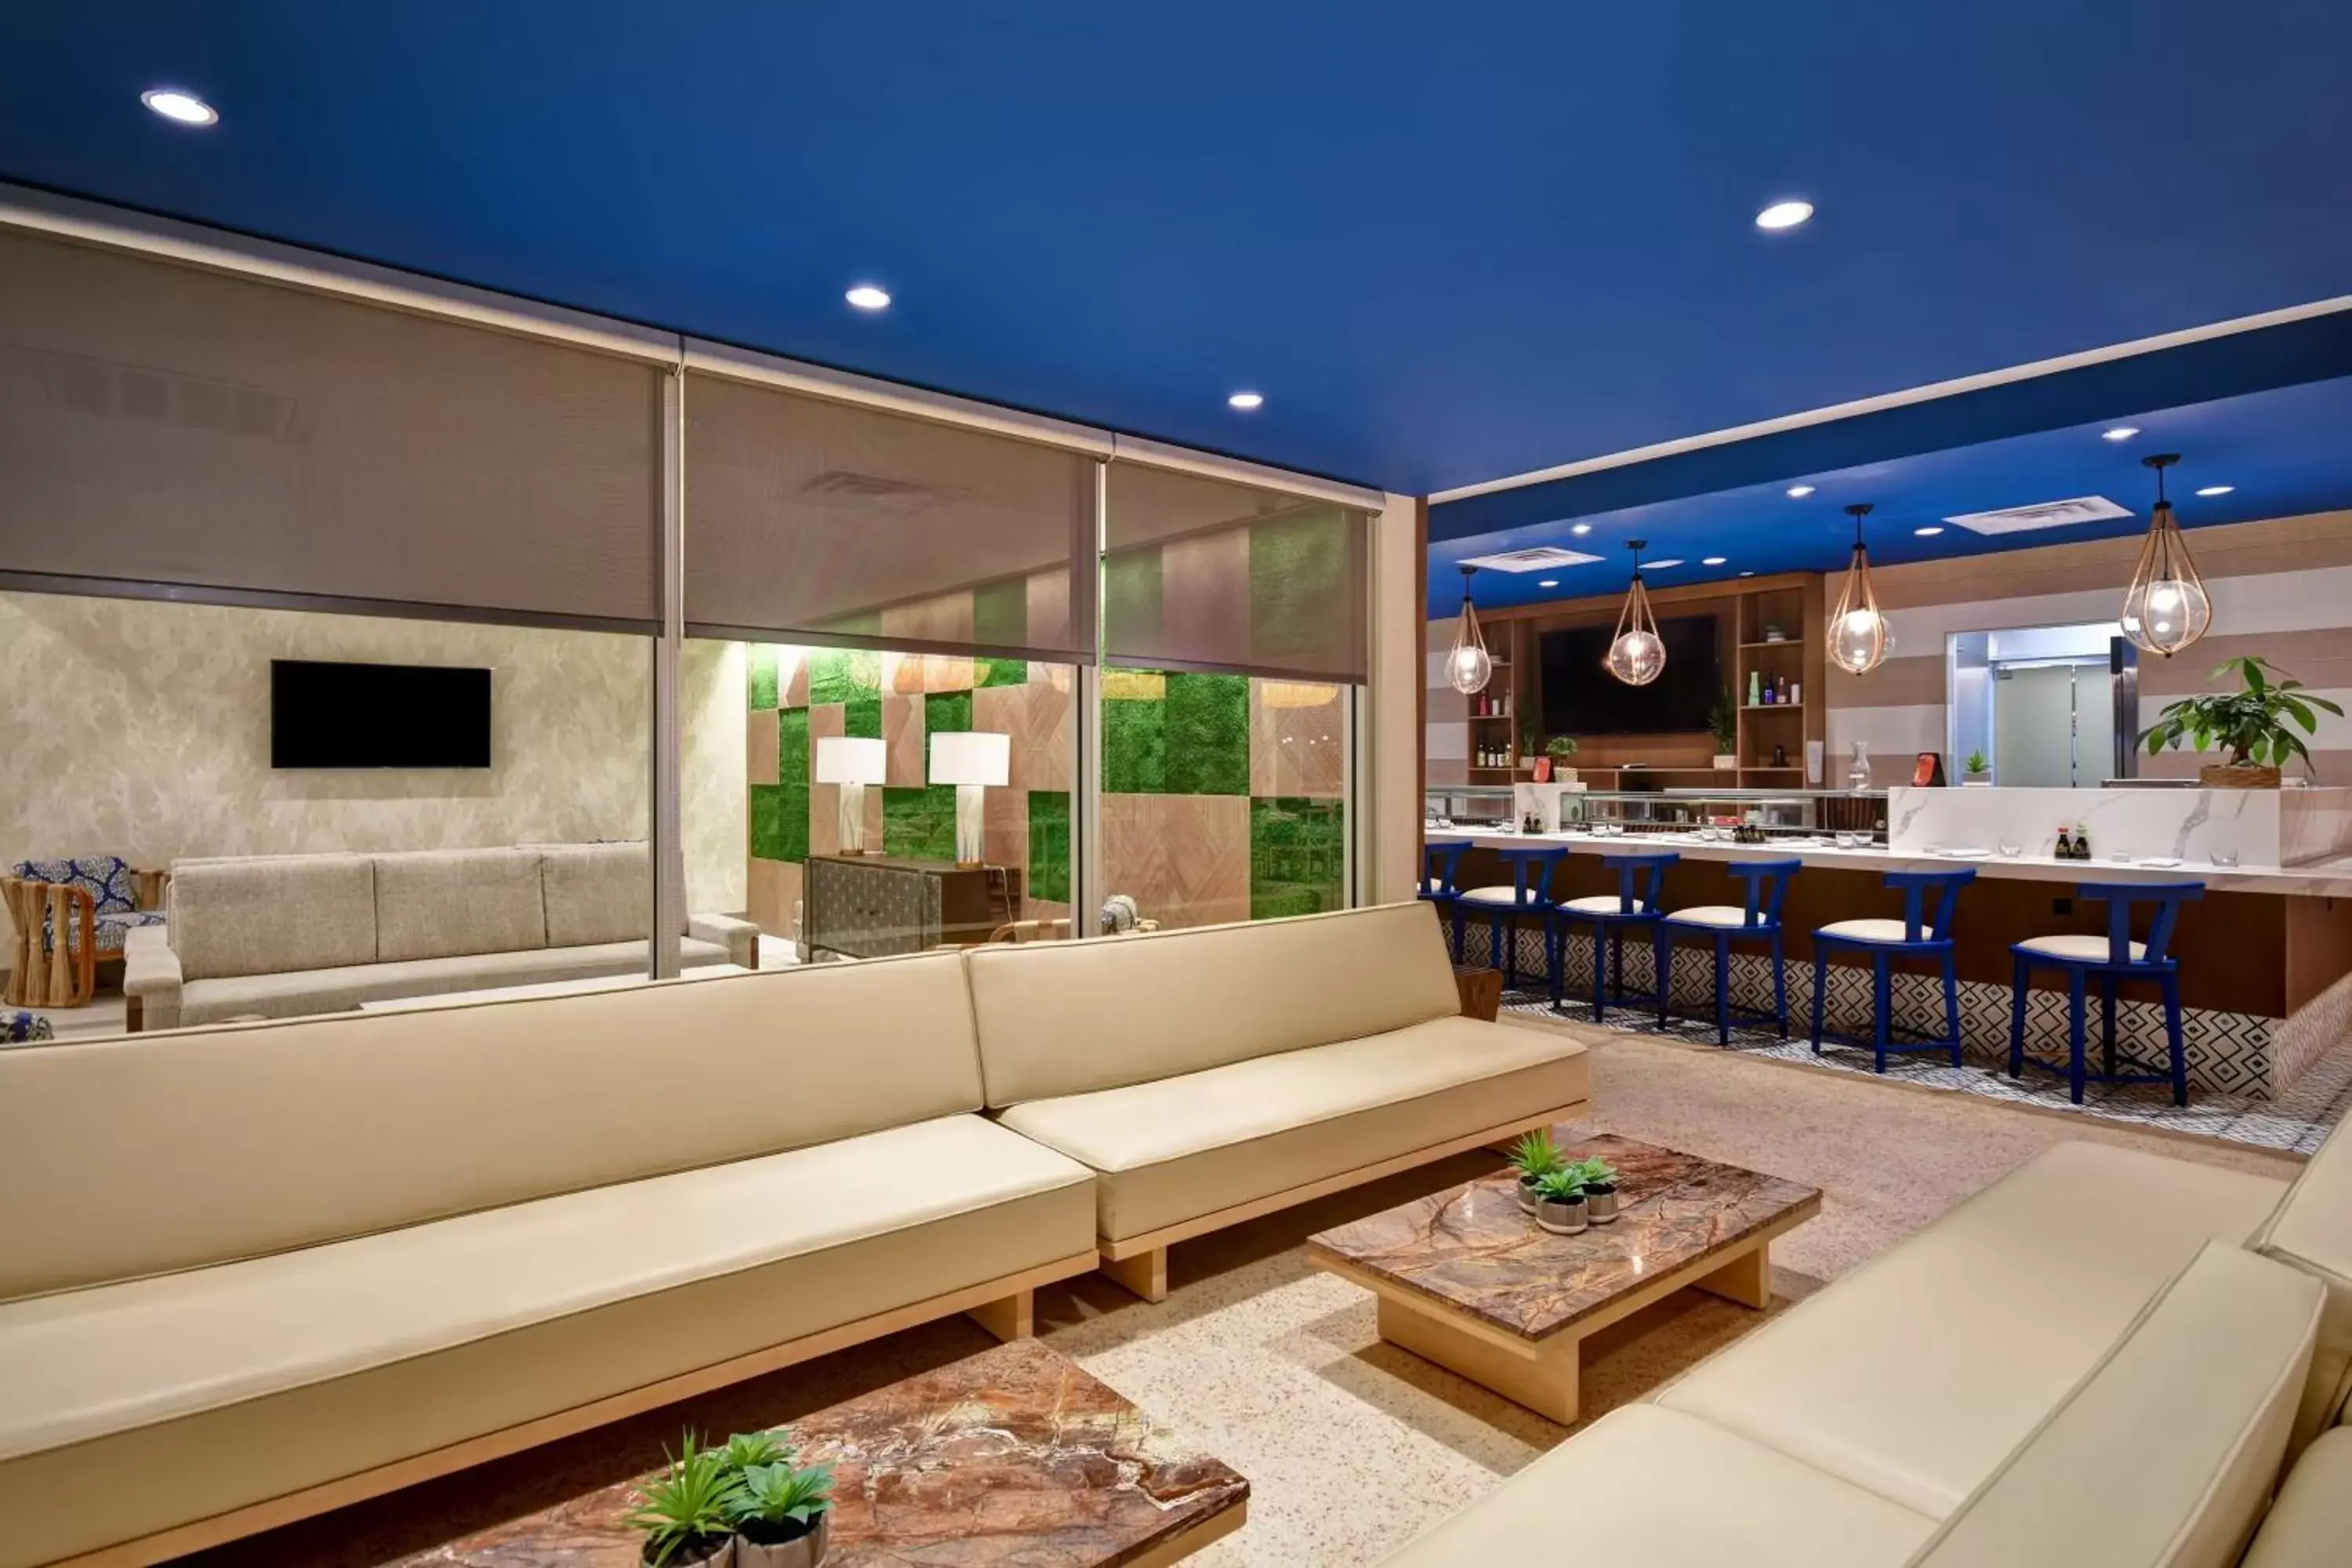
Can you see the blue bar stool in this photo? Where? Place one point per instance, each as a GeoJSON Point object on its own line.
{"type": "Point", "coordinates": [2115, 959]}
{"type": "Point", "coordinates": [1610, 914]}
{"type": "Point", "coordinates": [1529, 893]}
{"type": "Point", "coordinates": [1918, 934]}
{"type": "Point", "coordinates": [1441, 862]}
{"type": "Point", "coordinates": [1758, 918]}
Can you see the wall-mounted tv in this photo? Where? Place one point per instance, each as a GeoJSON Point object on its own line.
{"type": "Point", "coordinates": [378, 715]}
{"type": "Point", "coordinates": [1582, 697]}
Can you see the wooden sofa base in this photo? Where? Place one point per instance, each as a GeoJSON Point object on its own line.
{"type": "Point", "coordinates": [1139, 1263]}
{"type": "Point", "coordinates": [1002, 1305]}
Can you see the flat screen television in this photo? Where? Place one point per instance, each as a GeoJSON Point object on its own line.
{"type": "Point", "coordinates": [378, 715]}
{"type": "Point", "coordinates": [1582, 697]}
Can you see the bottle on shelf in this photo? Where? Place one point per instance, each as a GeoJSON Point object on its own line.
{"type": "Point", "coordinates": [1755, 688]}
{"type": "Point", "coordinates": [1797, 691]}
{"type": "Point", "coordinates": [2065, 847]}
{"type": "Point", "coordinates": [2082, 841]}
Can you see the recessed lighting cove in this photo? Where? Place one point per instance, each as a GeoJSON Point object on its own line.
{"type": "Point", "coordinates": [866, 297]}
{"type": "Point", "coordinates": [2119, 433]}
{"type": "Point", "coordinates": [1798, 492]}
{"type": "Point", "coordinates": [2217, 489]}
{"type": "Point", "coordinates": [1246, 401]}
{"type": "Point", "coordinates": [1784, 215]}
{"type": "Point", "coordinates": [180, 106]}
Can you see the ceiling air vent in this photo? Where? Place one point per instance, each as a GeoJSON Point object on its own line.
{"type": "Point", "coordinates": [2040, 515]}
{"type": "Point", "coordinates": [1543, 558]}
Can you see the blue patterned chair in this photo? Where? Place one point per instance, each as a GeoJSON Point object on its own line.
{"type": "Point", "coordinates": [103, 889]}
{"type": "Point", "coordinates": [113, 889]}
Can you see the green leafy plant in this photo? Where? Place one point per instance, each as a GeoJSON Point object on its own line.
{"type": "Point", "coordinates": [1595, 1174]}
{"type": "Point", "coordinates": [1976, 763]}
{"type": "Point", "coordinates": [1537, 1155]}
{"type": "Point", "coordinates": [2253, 724]}
{"type": "Point", "coordinates": [1723, 722]}
{"type": "Point", "coordinates": [1564, 1185]}
{"type": "Point", "coordinates": [1560, 747]}
{"type": "Point", "coordinates": [745, 1449]}
{"type": "Point", "coordinates": [692, 1504]}
{"type": "Point", "coordinates": [780, 1503]}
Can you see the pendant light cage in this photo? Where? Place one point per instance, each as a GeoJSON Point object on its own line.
{"type": "Point", "coordinates": [1859, 636]}
{"type": "Point", "coordinates": [1637, 654]}
{"type": "Point", "coordinates": [1469, 665]}
{"type": "Point", "coordinates": [2166, 608]}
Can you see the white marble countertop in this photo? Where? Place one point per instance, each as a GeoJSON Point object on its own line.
{"type": "Point", "coordinates": [2327, 879]}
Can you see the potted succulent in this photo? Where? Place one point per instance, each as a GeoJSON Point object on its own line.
{"type": "Point", "coordinates": [1559, 1200]}
{"type": "Point", "coordinates": [1978, 772]}
{"type": "Point", "coordinates": [1560, 748]}
{"type": "Point", "coordinates": [2255, 724]}
{"type": "Point", "coordinates": [1723, 723]}
{"type": "Point", "coordinates": [688, 1514]}
{"type": "Point", "coordinates": [781, 1514]}
{"type": "Point", "coordinates": [1536, 1157]}
{"type": "Point", "coordinates": [1600, 1180]}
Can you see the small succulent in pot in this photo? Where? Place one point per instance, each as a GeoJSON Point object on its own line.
{"type": "Point", "coordinates": [1536, 1157]}
{"type": "Point", "coordinates": [1559, 1201]}
{"type": "Point", "coordinates": [688, 1514]}
{"type": "Point", "coordinates": [780, 1515]}
{"type": "Point", "coordinates": [1600, 1181]}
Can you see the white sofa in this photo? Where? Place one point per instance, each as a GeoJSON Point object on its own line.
{"type": "Point", "coordinates": [2104, 1359]}
{"type": "Point", "coordinates": [1213, 1075]}
{"type": "Point", "coordinates": [286, 936]}
{"type": "Point", "coordinates": [253, 1272]}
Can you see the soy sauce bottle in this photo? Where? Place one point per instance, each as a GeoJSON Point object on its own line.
{"type": "Point", "coordinates": [2065, 850]}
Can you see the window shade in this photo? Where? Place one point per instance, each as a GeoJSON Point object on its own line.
{"type": "Point", "coordinates": [1207, 573]}
{"type": "Point", "coordinates": [162, 423]}
{"type": "Point", "coordinates": [804, 516]}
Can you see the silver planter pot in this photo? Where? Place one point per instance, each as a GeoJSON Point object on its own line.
{"type": "Point", "coordinates": [1600, 1207]}
{"type": "Point", "coordinates": [1526, 1195]}
{"type": "Point", "coordinates": [1560, 1219]}
{"type": "Point", "coordinates": [721, 1555]}
{"type": "Point", "coordinates": [808, 1552]}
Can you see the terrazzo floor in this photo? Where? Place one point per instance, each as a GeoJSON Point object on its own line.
{"type": "Point", "coordinates": [1351, 1445]}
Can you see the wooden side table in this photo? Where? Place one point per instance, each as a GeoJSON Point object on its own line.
{"type": "Point", "coordinates": [1482, 992]}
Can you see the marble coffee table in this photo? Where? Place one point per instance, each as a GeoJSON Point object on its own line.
{"type": "Point", "coordinates": [1010, 1458]}
{"type": "Point", "coordinates": [1469, 1281]}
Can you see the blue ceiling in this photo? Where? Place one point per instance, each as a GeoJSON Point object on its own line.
{"type": "Point", "coordinates": [2284, 452]}
{"type": "Point", "coordinates": [1446, 246]}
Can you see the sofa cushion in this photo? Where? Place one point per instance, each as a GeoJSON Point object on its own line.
{"type": "Point", "coordinates": [2310, 1526]}
{"type": "Point", "coordinates": [317, 991]}
{"type": "Point", "coordinates": [1645, 1486]}
{"type": "Point", "coordinates": [596, 893]}
{"type": "Point", "coordinates": [273, 915]}
{"type": "Point", "coordinates": [1921, 1370]}
{"type": "Point", "coordinates": [199, 1145]}
{"type": "Point", "coordinates": [1070, 1017]}
{"type": "Point", "coordinates": [224, 1386]}
{"type": "Point", "coordinates": [440, 903]}
{"type": "Point", "coordinates": [2312, 1230]}
{"type": "Point", "coordinates": [1172, 1151]}
{"type": "Point", "coordinates": [2165, 1455]}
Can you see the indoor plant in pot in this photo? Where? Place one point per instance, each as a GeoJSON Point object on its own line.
{"type": "Point", "coordinates": [781, 1514]}
{"type": "Point", "coordinates": [687, 1513]}
{"type": "Point", "coordinates": [1978, 772]}
{"type": "Point", "coordinates": [1600, 1181]}
{"type": "Point", "coordinates": [1560, 748]}
{"type": "Point", "coordinates": [1559, 1200]}
{"type": "Point", "coordinates": [1536, 1157]}
{"type": "Point", "coordinates": [1723, 723]}
{"type": "Point", "coordinates": [2255, 724]}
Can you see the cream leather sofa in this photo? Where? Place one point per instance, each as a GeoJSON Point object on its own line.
{"type": "Point", "coordinates": [2102, 1358]}
{"type": "Point", "coordinates": [1210, 1075]}
{"type": "Point", "coordinates": [253, 1272]}
{"type": "Point", "coordinates": [285, 936]}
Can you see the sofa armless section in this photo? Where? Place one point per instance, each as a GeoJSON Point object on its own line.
{"type": "Point", "coordinates": [2312, 1230]}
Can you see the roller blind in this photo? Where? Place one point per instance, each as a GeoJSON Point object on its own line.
{"type": "Point", "coordinates": [823, 518]}
{"type": "Point", "coordinates": [1208, 574]}
{"type": "Point", "coordinates": [163, 423]}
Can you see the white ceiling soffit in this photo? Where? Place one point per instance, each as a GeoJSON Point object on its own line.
{"type": "Point", "coordinates": [2040, 515]}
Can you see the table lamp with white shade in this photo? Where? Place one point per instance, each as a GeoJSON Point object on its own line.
{"type": "Point", "coordinates": [853, 761]}
{"type": "Point", "coordinates": [971, 759]}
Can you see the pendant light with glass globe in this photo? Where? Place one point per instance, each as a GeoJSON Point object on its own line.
{"type": "Point", "coordinates": [1469, 665]}
{"type": "Point", "coordinates": [1859, 638]}
{"type": "Point", "coordinates": [1638, 655]}
{"type": "Point", "coordinates": [2166, 608]}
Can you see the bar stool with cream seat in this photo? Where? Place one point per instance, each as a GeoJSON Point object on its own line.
{"type": "Point", "coordinates": [1757, 919]}
{"type": "Point", "coordinates": [2117, 960]}
{"type": "Point", "coordinates": [1530, 892]}
{"type": "Point", "coordinates": [1610, 915]}
{"type": "Point", "coordinates": [1440, 863]}
{"type": "Point", "coordinates": [1921, 934]}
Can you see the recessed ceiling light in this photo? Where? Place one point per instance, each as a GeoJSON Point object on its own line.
{"type": "Point", "coordinates": [1928, 533]}
{"type": "Point", "coordinates": [1784, 215]}
{"type": "Point", "coordinates": [186, 108]}
{"type": "Point", "coordinates": [2217, 489]}
{"type": "Point", "coordinates": [2119, 433]}
{"type": "Point", "coordinates": [1748, 573]}
{"type": "Point", "coordinates": [1246, 401]}
{"type": "Point", "coordinates": [866, 297]}
{"type": "Point", "coordinates": [1549, 583]}
{"type": "Point", "coordinates": [1715, 560]}
{"type": "Point", "coordinates": [1798, 492]}
{"type": "Point", "coordinates": [1579, 528]}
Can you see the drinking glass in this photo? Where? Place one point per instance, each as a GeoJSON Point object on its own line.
{"type": "Point", "coordinates": [2011, 852]}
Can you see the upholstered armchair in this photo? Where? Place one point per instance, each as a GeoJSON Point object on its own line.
{"type": "Point", "coordinates": [70, 915]}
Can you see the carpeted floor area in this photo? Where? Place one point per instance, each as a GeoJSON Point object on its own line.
{"type": "Point", "coordinates": [1351, 1445]}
